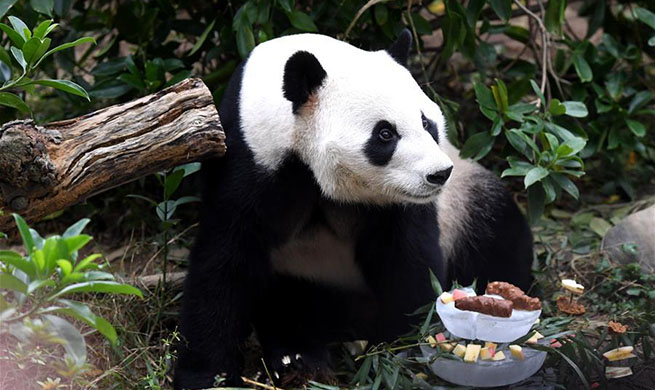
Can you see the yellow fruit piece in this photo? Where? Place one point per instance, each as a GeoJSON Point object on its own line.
{"type": "Point", "coordinates": [460, 350]}
{"type": "Point", "coordinates": [472, 353]}
{"type": "Point", "coordinates": [486, 353]}
{"type": "Point", "coordinates": [447, 347]}
{"type": "Point", "coordinates": [431, 340]}
{"type": "Point", "coordinates": [517, 351]}
{"type": "Point", "coordinates": [619, 353]}
{"type": "Point", "coordinates": [489, 344]}
{"type": "Point", "coordinates": [446, 298]}
{"type": "Point", "coordinates": [535, 337]}
{"type": "Point", "coordinates": [572, 286]}
{"type": "Point", "coordinates": [498, 356]}
{"type": "Point", "coordinates": [437, 7]}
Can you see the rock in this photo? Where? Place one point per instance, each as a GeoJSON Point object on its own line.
{"type": "Point", "coordinates": [633, 240]}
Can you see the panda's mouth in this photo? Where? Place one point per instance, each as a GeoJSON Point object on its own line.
{"type": "Point", "coordinates": [424, 196]}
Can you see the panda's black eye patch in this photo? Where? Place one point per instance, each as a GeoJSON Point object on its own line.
{"type": "Point", "coordinates": [430, 127]}
{"type": "Point", "coordinates": [382, 143]}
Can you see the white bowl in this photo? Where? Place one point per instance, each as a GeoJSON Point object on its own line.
{"type": "Point", "coordinates": [486, 373]}
{"type": "Point", "coordinates": [473, 325]}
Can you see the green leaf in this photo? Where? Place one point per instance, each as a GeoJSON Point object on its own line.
{"type": "Point", "coordinates": [302, 21]}
{"type": "Point", "coordinates": [100, 287]}
{"type": "Point", "coordinates": [186, 199]}
{"type": "Point", "coordinates": [18, 55]}
{"type": "Point", "coordinates": [28, 241]}
{"type": "Point", "coordinates": [64, 85]}
{"type": "Point", "coordinates": [599, 226]}
{"type": "Point", "coordinates": [87, 262]}
{"type": "Point", "coordinates": [582, 68]}
{"type": "Point", "coordinates": [245, 40]}
{"type": "Point", "coordinates": [29, 49]}
{"type": "Point", "coordinates": [75, 345]}
{"type": "Point", "coordinates": [20, 28]}
{"type": "Point", "coordinates": [172, 182]}
{"type": "Point", "coordinates": [484, 96]}
{"type": "Point", "coordinates": [83, 313]}
{"type": "Point", "coordinates": [381, 14]}
{"type": "Point", "coordinates": [10, 282]}
{"type": "Point", "coordinates": [555, 107]}
{"type": "Point", "coordinates": [37, 284]}
{"type": "Point", "coordinates": [202, 38]}
{"type": "Point", "coordinates": [636, 127]}
{"type": "Point", "coordinates": [477, 146]}
{"type": "Point", "coordinates": [68, 45]}
{"type": "Point", "coordinates": [499, 92]}
{"type": "Point", "coordinates": [40, 30]}
{"type": "Point", "coordinates": [43, 6]}
{"type": "Point", "coordinates": [14, 101]}
{"type": "Point", "coordinates": [436, 286]}
{"type": "Point", "coordinates": [534, 175]}
{"type": "Point", "coordinates": [76, 228]}
{"type": "Point", "coordinates": [645, 16]}
{"type": "Point", "coordinates": [575, 109]}
{"type": "Point", "coordinates": [536, 89]}
{"type": "Point", "coordinates": [639, 100]}
{"type": "Point", "coordinates": [75, 243]}
{"type": "Point", "coordinates": [502, 8]}
{"type": "Point", "coordinates": [536, 202]}
{"type": "Point", "coordinates": [16, 38]}
{"type": "Point", "coordinates": [5, 5]}
{"type": "Point", "coordinates": [17, 261]}
{"type": "Point", "coordinates": [566, 184]}
{"type": "Point", "coordinates": [555, 16]}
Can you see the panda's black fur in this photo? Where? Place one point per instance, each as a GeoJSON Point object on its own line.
{"type": "Point", "coordinates": [246, 211]}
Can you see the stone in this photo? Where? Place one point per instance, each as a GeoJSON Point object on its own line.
{"type": "Point", "coordinates": [633, 240]}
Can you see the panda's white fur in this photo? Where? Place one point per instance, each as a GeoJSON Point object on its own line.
{"type": "Point", "coordinates": [335, 125]}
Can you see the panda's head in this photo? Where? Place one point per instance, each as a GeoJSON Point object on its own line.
{"type": "Point", "coordinates": [365, 127]}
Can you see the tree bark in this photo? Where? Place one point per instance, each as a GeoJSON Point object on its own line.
{"type": "Point", "coordinates": [48, 168]}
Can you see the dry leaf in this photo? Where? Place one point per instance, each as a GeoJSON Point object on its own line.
{"type": "Point", "coordinates": [617, 327]}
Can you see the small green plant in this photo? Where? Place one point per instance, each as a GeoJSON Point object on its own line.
{"type": "Point", "coordinates": [36, 291]}
{"type": "Point", "coordinates": [29, 48]}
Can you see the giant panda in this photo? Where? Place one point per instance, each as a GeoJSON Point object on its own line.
{"type": "Point", "coordinates": [324, 219]}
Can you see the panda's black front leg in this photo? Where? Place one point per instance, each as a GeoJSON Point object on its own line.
{"type": "Point", "coordinates": [220, 294]}
{"type": "Point", "coordinates": [397, 250]}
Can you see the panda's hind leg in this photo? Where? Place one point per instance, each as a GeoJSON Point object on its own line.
{"type": "Point", "coordinates": [297, 322]}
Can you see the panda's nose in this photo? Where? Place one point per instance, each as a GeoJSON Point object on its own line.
{"type": "Point", "coordinates": [439, 178]}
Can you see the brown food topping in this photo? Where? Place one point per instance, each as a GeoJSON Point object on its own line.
{"type": "Point", "coordinates": [486, 305]}
{"type": "Point", "coordinates": [514, 294]}
{"type": "Point", "coordinates": [566, 305]}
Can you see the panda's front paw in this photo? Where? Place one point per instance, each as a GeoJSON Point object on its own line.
{"type": "Point", "coordinates": [294, 368]}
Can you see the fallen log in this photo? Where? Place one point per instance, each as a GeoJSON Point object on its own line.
{"type": "Point", "coordinates": [47, 168]}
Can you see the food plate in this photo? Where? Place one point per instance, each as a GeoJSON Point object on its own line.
{"type": "Point", "coordinates": [486, 373]}
{"type": "Point", "coordinates": [472, 325]}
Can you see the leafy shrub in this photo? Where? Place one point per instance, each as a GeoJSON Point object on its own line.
{"type": "Point", "coordinates": [36, 290]}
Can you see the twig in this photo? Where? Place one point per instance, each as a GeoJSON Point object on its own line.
{"type": "Point", "coordinates": [258, 384]}
{"type": "Point", "coordinates": [361, 11]}
{"type": "Point", "coordinates": [544, 47]}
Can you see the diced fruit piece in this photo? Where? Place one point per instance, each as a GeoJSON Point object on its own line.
{"type": "Point", "coordinates": [517, 351]}
{"type": "Point", "coordinates": [446, 298]}
{"type": "Point", "coordinates": [447, 347]}
{"type": "Point", "coordinates": [619, 353]}
{"type": "Point", "coordinates": [472, 353]}
{"type": "Point", "coordinates": [535, 337]}
{"type": "Point", "coordinates": [431, 341]}
{"type": "Point", "coordinates": [459, 294]}
{"type": "Point", "coordinates": [537, 321]}
{"type": "Point", "coordinates": [440, 337]}
{"type": "Point", "coordinates": [486, 353]}
{"type": "Point", "coordinates": [572, 286]}
{"type": "Point", "coordinates": [460, 350]}
{"type": "Point", "coordinates": [489, 344]}
{"type": "Point", "coordinates": [555, 344]}
{"type": "Point", "coordinates": [498, 356]}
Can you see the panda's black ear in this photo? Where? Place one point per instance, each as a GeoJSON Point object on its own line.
{"type": "Point", "coordinates": [399, 50]}
{"type": "Point", "coordinates": [303, 74]}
